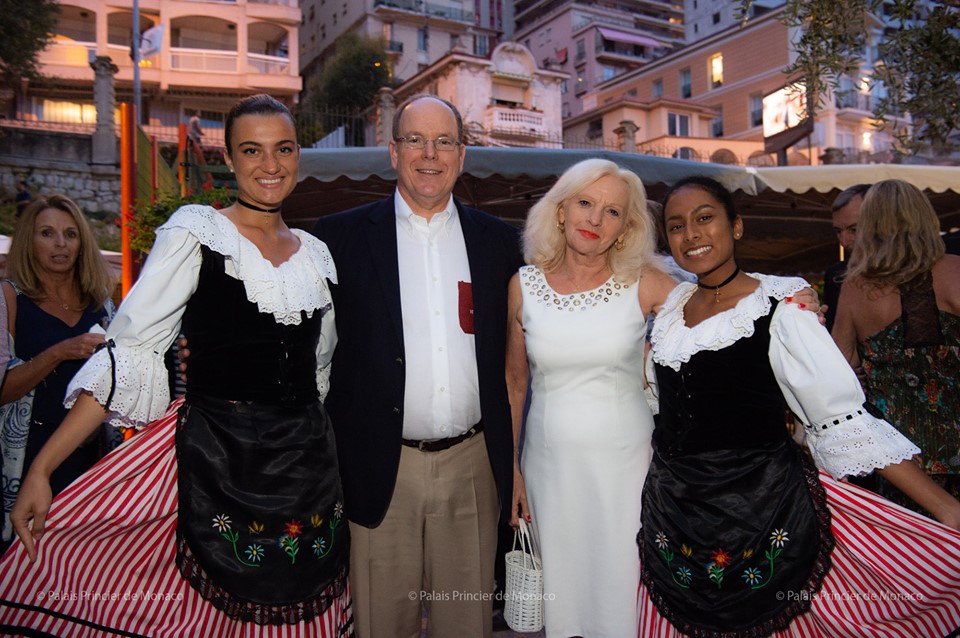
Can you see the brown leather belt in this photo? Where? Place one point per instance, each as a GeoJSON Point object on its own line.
{"type": "Point", "coordinates": [438, 445]}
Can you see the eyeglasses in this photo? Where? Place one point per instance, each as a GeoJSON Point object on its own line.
{"type": "Point", "coordinates": [417, 142]}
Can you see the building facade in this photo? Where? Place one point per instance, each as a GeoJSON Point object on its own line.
{"type": "Point", "coordinates": [704, 18]}
{"type": "Point", "coordinates": [205, 55]}
{"type": "Point", "coordinates": [596, 42]}
{"type": "Point", "coordinates": [504, 99]}
{"type": "Point", "coordinates": [706, 102]}
{"type": "Point", "coordinates": [417, 33]}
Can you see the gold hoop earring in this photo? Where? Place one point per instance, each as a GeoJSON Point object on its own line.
{"type": "Point", "coordinates": [619, 244]}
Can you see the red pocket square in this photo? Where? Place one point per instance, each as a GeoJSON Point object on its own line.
{"type": "Point", "coordinates": [465, 306]}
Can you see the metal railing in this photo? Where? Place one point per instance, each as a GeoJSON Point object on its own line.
{"type": "Point", "coordinates": [428, 8]}
{"type": "Point", "coordinates": [854, 100]}
{"type": "Point", "coordinates": [69, 53]}
{"type": "Point", "coordinates": [183, 59]}
{"type": "Point", "coordinates": [212, 137]}
{"type": "Point", "coordinates": [272, 64]}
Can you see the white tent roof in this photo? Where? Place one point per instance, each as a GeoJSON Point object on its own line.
{"type": "Point", "coordinates": [823, 179]}
{"type": "Point", "coordinates": [786, 209]}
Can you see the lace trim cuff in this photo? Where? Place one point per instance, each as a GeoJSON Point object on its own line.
{"type": "Point", "coordinates": [141, 392]}
{"type": "Point", "coordinates": [856, 444]}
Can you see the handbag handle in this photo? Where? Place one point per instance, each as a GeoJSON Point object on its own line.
{"type": "Point", "coordinates": [525, 536]}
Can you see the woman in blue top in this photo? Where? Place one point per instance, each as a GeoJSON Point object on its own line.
{"type": "Point", "coordinates": [60, 288]}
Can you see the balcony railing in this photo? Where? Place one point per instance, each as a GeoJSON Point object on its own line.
{"type": "Point", "coordinates": [623, 51]}
{"type": "Point", "coordinates": [450, 13]}
{"type": "Point", "coordinates": [212, 137]}
{"type": "Point", "coordinates": [77, 54]}
{"type": "Point", "coordinates": [395, 46]}
{"type": "Point", "coordinates": [69, 53]}
{"type": "Point", "coordinates": [406, 5]}
{"type": "Point", "coordinates": [428, 8]}
{"type": "Point", "coordinates": [272, 64]}
{"type": "Point", "coordinates": [853, 100]}
{"type": "Point", "coordinates": [203, 60]}
{"type": "Point", "coordinates": [502, 120]}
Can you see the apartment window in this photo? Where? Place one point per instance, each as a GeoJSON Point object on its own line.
{"type": "Point", "coordinates": [581, 50]}
{"type": "Point", "coordinates": [454, 41]}
{"type": "Point", "coordinates": [716, 70]}
{"type": "Point", "coordinates": [311, 14]}
{"type": "Point", "coordinates": [608, 72]}
{"type": "Point", "coordinates": [481, 45]}
{"type": "Point", "coordinates": [696, 28]}
{"type": "Point", "coordinates": [694, 4]}
{"type": "Point", "coordinates": [658, 88]}
{"type": "Point", "coordinates": [632, 92]}
{"type": "Point", "coordinates": [334, 18]}
{"type": "Point", "coordinates": [756, 109]}
{"type": "Point", "coordinates": [716, 126]}
{"type": "Point", "coordinates": [581, 83]}
{"type": "Point", "coordinates": [323, 31]}
{"type": "Point", "coordinates": [595, 129]}
{"type": "Point", "coordinates": [421, 39]}
{"type": "Point", "coordinates": [716, 18]}
{"type": "Point", "coordinates": [678, 125]}
{"type": "Point", "coordinates": [563, 87]}
{"type": "Point", "coordinates": [686, 83]}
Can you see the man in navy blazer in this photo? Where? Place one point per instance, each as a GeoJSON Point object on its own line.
{"type": "Point", "coordinates": [417, 392]}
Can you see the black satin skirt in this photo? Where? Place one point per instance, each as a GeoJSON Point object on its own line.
{"type": "Point", "coordinates": [734, 542]}
{"type": "Point", "coordinates": [261, 532]}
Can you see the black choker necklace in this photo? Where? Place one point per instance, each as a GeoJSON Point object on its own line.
{"type": "Point", "coordinates": [241, 201]}
{"type": "Point", "coordinates": [716, 289]}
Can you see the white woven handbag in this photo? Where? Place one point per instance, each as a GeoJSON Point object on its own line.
{"type": "Point", "coordinates": [523, 593]}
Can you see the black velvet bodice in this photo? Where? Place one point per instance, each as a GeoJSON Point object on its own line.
{"type": "Point", "coordinates": [721, 399]}
{"type": "Point", "coordinates": [240, 353]}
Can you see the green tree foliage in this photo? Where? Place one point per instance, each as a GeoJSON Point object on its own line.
{"type": "Point", "coordinates": [831, 35]}
{"type": "Point", "coordinates": [349, 82]}
{"type": "Point", "coordinates": [147, 216]}
{"type": "Point", "coordinates": [25, 30]}
{"type": "Point", "coordinates": [354, 75]}
{"type": "Point", "coordinates": [919, 61]}
{"type": "Point", "coordinates": [921, 72]}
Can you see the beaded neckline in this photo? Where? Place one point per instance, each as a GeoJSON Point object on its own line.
{"type": "Point", "coordinates": [533, 279]}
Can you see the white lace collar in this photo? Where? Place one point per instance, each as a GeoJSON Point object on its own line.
{"type": "Point", "coordinates": [674, 343]}
{"type": "Point", "coordinates": [283, 291]}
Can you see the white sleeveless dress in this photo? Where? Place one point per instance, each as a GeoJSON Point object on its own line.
{"type": "Point", "coordinates": [586, 452]}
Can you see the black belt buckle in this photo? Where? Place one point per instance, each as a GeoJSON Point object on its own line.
{"type": "Point", "coordinates": [438, 445]}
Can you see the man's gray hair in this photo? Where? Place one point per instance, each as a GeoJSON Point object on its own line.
{"type": "Point", "coordinates": [857, 190]}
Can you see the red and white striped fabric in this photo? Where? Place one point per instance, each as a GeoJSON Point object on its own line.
{"type": "Point", "coordinates": [895, 574]}
{"type": "Point", "coordinates": [106, 562]}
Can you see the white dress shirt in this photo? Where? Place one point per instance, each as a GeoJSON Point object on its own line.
{"type": "Point", "coordinates": [441, 394]}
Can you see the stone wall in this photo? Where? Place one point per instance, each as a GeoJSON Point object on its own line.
{"type": "Point", "coordinates": [57, 162]}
